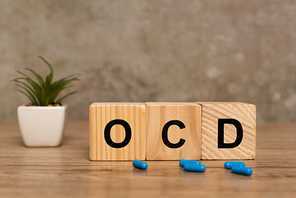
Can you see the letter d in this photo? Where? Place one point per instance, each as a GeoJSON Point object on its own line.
{"type": "Point", "coordinates": [239, 132]}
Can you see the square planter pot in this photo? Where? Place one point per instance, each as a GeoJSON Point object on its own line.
{"type": "Point", "coordinates": [41, 126]}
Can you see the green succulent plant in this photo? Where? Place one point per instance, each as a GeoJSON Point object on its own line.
{"type": "Point", "coordinates": [44, 90]}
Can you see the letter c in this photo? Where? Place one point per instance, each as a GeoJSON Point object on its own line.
{"type": "Point", "coordinates": [165, 134]}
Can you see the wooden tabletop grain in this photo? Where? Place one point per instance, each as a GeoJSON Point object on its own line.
{"type": "Point", "coordinates": [66, 171]}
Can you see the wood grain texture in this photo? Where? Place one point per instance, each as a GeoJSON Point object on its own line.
{"type": "Point", "coordinates": [93, 132]}
{"type": "Point", "coordinates": [158, 114]}
{"type": "Point", "coordinates": [66, 171]}
{"type": "Point", "coordinates": [134, 114]}
{"type": "Point", "coordinates": [244, 113]}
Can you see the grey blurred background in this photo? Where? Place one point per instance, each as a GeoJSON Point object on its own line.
{"type": "Point", "coordinates": [156, 50]}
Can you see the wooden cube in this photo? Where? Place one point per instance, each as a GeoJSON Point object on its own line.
{"type": "Point", "coordinates": [173, 131]}
{"type": "Point", "coordinates": [226, 121]}
{"type": "Point", "coordinates": [117, 131]}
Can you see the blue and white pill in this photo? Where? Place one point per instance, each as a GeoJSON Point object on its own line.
{"type": "Point", "coordinates": [140, 164]}
{"type": "Point", "coordinates": [242, 170]}
{"type": "Point", "coordinates": [231, 164]}
{"type": "Point", "coordinates": [193, 167]}
{"type": "Point", "coordinates": [184, 161]}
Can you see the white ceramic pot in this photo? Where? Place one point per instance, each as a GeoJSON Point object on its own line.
{"type": "Point", "coordinates": [41, 126]}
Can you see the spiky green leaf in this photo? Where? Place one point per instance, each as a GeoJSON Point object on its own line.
{"type": "Point", "coordinates": [44, 91]}
{"type": "Point", "coordinates": [60, 100]}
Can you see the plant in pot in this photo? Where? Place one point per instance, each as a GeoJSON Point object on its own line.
{"type": "Point", "coordinates": [41, 121]}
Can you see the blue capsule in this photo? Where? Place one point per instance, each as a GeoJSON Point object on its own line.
{"type": "Point", "coordinates": [184, 161]}
{"type": "Point", "coordinates": [194, 167]}
{"type": "Point", "coordinates": [231, 164]}
{"type": "Point", "coordinates": [140, 164]}
{"type": "Point", "coordinates": [242, 170]}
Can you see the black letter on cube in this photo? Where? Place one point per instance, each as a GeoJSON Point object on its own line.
{"type": "Point", "coordinates": [239, 132]}
{"type": "Point", "coordinates": [128, 133]}
{"type": "Point", "coordinates": [165, 134]}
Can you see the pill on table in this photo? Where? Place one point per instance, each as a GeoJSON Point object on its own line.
{"type": "Point", "coordinates": [140, 164]}
{"type": "Point", "coordinates": [229, 165]}
{"type": "Point", "coordinates": [184, 161]}
{"type": "Point", "coordinates": [242, 170]}
{"type": "Point", "coordinates": [194, 167]}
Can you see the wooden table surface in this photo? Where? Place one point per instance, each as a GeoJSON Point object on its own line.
{"type": "Point", "coordinates": [66, 172]}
